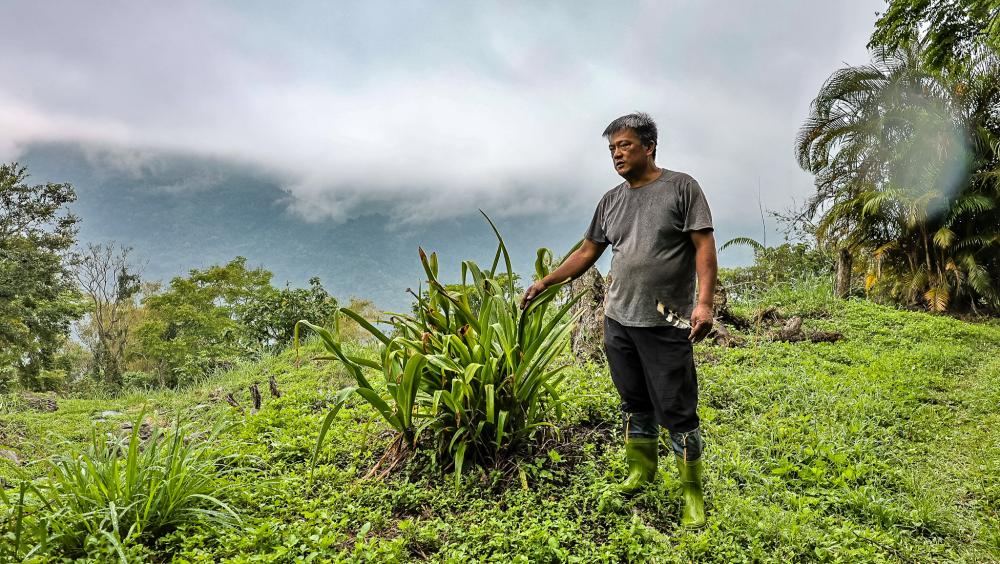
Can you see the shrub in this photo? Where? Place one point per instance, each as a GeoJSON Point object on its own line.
{"type": "Point", "coordinates": [784, 264]}
{"type": "Point", "coordinates": [471, 382]}
{"type": "Point", "coordinates": [193, 326]}
{"type": "Point", "coordinates": [137, 380]}
{"type": "Point", "coordinates": [269, 318]}
{"type": "Point", "coordinates": [108, 494]}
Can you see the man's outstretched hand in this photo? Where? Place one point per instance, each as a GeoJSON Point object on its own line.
{"type": "Point", "coordinates": [535, 289]}
{"type": "Point", "coordinates": [701, 323]}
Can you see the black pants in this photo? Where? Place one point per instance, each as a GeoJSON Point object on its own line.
{"type": "Point", "coordinates": [653, 369]}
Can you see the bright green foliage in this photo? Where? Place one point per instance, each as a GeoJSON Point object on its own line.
{"type": "Point", "coordinates": [906, 163]}
{"type": "Point", "coordinates": [953, 29]}
{"type": "Point", "coordinates": [215, 316]}
{"type": "Point", "coordinates": [194, 325]}
{"type": "Point", "coordinates": [270, 318]}
{"type": "Point", "coordinates": [38, 298]}
{"type": "Point", "coordinates": [879, 448]}
{"type": "Point", "coordinates": [784, 264]}
{"type": "Point", "coordinates": [107, 495]}
{"type": "Point", "coordinates": [474, 382]}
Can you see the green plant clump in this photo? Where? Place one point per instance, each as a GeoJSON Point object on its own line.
{"type": "Point", "coordinates": [113, 498]}
{"type": "Point", "coordinates": [474, 382]}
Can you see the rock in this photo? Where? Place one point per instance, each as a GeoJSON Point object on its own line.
{"type": "Point", "coordinates": [11, 456]}
{"type": "Point", "coordinates": [792, 330]}
{"type": "Point", "coordinates": [721, 336]}
{"type": "Point", "coordinates": [108, 413]}
{"type": "Point", "coordinates": [587, 339]}
{"type": "Point", "coordinates": [767, 315]}
{"type": "Point", "coordinates": [145, 429]}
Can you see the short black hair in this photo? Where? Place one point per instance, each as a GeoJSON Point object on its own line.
{"type": "Point", "coordinates": [643, 125]}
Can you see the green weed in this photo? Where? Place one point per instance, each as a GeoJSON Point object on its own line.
{"type": "Point", "coordinates": [111, 493]}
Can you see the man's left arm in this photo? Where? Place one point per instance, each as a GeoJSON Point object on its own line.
{"type": "Point", "coordinates": [707, 267]}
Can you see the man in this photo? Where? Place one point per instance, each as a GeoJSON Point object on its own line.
{"type": "Point", "coordinates": [659, 226]}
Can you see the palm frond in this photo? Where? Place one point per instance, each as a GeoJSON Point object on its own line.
{"type": "Point", "coordinates": [742, 241]}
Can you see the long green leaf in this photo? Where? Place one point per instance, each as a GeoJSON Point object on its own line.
{"type": "Point", "coordinates": [501, 424]}
{"type": "Point", "coordinates": [408, 395]}
{"type": "Point", "coordinates": [490, 401]}
{"type": "Point", "coordinates": [459, 462]}
{"type": "Point", "coordinates": [331, 345]}
{"type": "Point", "coordinates": [366, 324]}
{"type": "Point", "coordinates": [467, 314]}
{"type": "Point", "coordinates": [506, 258]}
{"type": "Point", "coordinates": [383, 408]}
{"type": "Point", "coordinates": [542, 261]}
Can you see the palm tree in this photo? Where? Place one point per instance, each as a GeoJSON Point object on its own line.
{"type": "Point", "coordinates": [906, 164]}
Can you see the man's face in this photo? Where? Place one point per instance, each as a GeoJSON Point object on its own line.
{"type": "Point", "coordinates": [627, 153]}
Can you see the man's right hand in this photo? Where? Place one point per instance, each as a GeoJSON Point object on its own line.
{"type": "Point", "coordinates": [577, 263]}
{"type": "Point", "coordinates": [535, 289]}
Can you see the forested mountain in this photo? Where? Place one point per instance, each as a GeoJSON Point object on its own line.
{"type": "Point", "coordinates": [180, 213]}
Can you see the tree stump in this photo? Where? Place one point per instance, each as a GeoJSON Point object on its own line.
{"type": "Point", "coordinates": [273, 383]}
{"type": "Point", "coordinates": [587, 339]}
{"type": "Point", "coordinates": [255, 397]}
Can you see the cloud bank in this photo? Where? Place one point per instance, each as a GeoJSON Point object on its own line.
{"type": "Point", "coordinates": [428, 110]}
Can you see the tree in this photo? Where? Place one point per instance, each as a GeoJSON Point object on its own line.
{"type": "Point", "coordinates": [905, 159]}
{"type": "Point", "coordinates": [38, 298]}
{"type": "Point", "coordinates": [953, 30]}
{"type": "Point", "coordinates": [112, 284]}
{"type": "Point", "coordinates": [194, 325]}
{"type": "Point", "coordinates": [269, 320]}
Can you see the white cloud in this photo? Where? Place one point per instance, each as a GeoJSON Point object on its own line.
{"type": "Point", "coordinates": [430, 110]}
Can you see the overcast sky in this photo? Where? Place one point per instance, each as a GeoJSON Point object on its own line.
{"type": "Point", "coordinates": [430, 109]}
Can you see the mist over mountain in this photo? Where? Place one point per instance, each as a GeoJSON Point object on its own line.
{"type": "Point", "coordinates": [180, 212]}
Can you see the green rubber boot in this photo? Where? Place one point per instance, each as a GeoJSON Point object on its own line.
{"type": "Point", "coordinates": [641, 455]}
{"type": "Point", "coordinates": [693, 516]}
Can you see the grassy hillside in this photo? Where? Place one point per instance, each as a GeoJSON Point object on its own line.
{"type": "Point", "coordinates": [882, 447]}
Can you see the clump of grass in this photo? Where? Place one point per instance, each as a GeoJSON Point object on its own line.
{"type": "Point", "coordinates": [113, 493]}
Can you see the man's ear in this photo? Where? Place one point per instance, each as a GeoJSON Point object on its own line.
{"type": "Point", "coordinates": [650, 149]}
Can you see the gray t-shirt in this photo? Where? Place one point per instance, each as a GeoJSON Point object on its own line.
{"type": "Point", "coordinates": [653, 256]}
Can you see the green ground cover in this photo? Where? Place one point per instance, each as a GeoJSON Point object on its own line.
{"type": "Point", "coordinates": [882, 447]}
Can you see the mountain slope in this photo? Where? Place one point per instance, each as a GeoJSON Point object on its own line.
{"type": "Point", "coordinates": [881, 447]}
